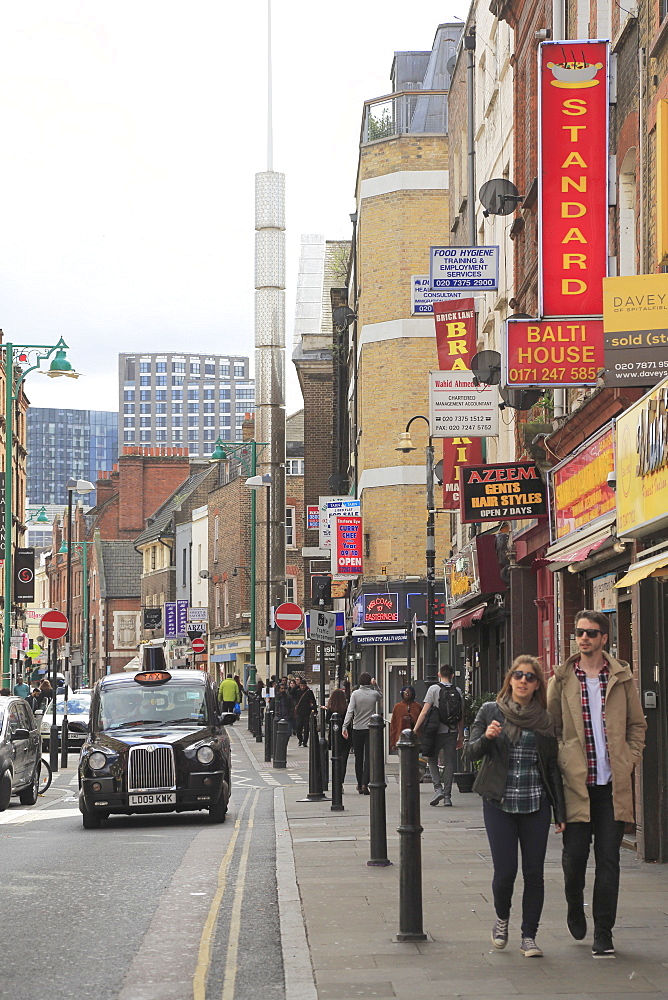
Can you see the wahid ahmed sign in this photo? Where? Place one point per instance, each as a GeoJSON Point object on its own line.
{"type": "Point", "coordinates": [507, 492]}
{"type": "Point", "coordinates": [573, 178]}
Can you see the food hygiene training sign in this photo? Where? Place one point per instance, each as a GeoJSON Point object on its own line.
{"type": "Point", "coordinates": [464, 269]}
{"type": "Point", "coordinates": [458, 408]}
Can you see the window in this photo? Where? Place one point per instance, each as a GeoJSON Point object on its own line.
{"type": "Point", "coordinates": [216, 527]}
{"type": "Point", "coordinates": [161, 408]}
{"type": "Point", "coordinates": [145, 422]}
{"type": "Point", "coordinates": [209, 421]}
{"type": "Point", "coordinates": [290, 527]}
{"type": "Point", "coordinates": [145, 394]}
{"type": "Point", "coordinates": [239, 371]}
{"type": "Point", "coordinates": [129, 437]}
{"type": "Point", "coordinates": [210, 370]}
{"type": "Point", "coordinates": [209, 435]}
{"type": "Point", "coordinates": [216, 604]}
{"type": "Point", "coordinates": [193, 407]}
{"type": "Point", "coordinates": [161, 421]}
{"type": "Point", "coordinates": [128, 394]}
{"type": "Point", "coordinates": [245, 393]}
{"type": "Point", "coordinates": [193, 421]}
{"type": "Point", "coordinates": [224, 371]}
{"type": "Point", "coordinates": [144, 366]}
{"type": "Point", "coordinates": [178, 366]}
{"type": "Point", "coordinates": [161, 394]}
{"type": "Point", "coordinates": [239, 421]}
{"type": "Point", "coordinates": [145, 437]}
{"type": "Point", "coordinates": [129, 408]}
{"type": "Point", "coordinates": [291, 589]}
{"type": "Point", "coordinates": [193, 435]}
{"type": "Point", "coordinates": [145, 380]}
{"type": "Point", "coordinates": [294, 467]}
{"type": "Point", "coordinates": [178, 379]}
{"type": "Point", "coordinates": [224, 421]}
{"type": "Point", "coordinates": [226, 604]}
{"type": "Point", "coordinates": [128, 421]}
{"type": "Point", "coordinates": [194, 367]}
{"type": "Point", "coordinates": [208, 393]}
{"type": "Point", "coordinates": [184, 567]}
{"type": "Point", "coordinates": [208, 407]}
{"type": "Point", "coordinates": [161, 366]}
{"type": "Point", "coordinates": [225, 394]}
{"type": "Point", "coordinates": [177, 393]}
{"type": "Point", "coordinates": [193, 393]}
{"type": "Point", "coordinates": [161, 380]}
{"type": "Point", "coordinates": [144, 407]}
{"type": "Point", "coordinates": [177, 421]}
{"type": "Point", "coordinates": [161, 435]}
{"type": "Point", "coordinates": [243, 408]}
{"type": "Point", "coordinates": [177, 437]}
{"type": "Point", "coordinates": [153, 556]}
{"type": "Point", "coordinates": [225, 407]}
{"type": "Point", "coordinates": [177, 407]}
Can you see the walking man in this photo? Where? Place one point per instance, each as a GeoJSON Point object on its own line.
{"type": "Point", "coordinates": [305, 705]}
{"type": "Point", "coordinates": [449, 702]}
{"type": "Point", "coordinates": [595, 705]}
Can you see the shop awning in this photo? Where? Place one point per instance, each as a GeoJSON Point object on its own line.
{"type": "Point", "coordinates": [224, 658]}
{"type": "Point", "coordinates": [296, 651]}
{"type": "Point", "coordinates": [641, 570]}
{"type": "Point", "coordinates": [580, 545]}
{"type": "Point", "coordinates": [468, 619]}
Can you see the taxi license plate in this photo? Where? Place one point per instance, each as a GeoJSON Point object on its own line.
{"type": "Point", "coordinates": [153, 799]}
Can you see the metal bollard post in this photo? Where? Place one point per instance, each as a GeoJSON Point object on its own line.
{"type": "Point", "coordinates": [281, 743]}
{"type": "Point", "coordinates": [315, 792]}
{"type": "Point", "coordinates": [324, 753]}
{"type": "Point", "coordinates": [337, 763]}
{"type": "Point", "coordinates": [377, 786]}
{"type": "Point", "coordinates": [268, 727]}
{"type": "Point", "coordinates": [410, 844]}
{"type": "Point", "coordinates": [64, 732]}
{"type": "Point", "coordinates": [258, 732]}
{"type": "Point", "coordinates": [251, 715]}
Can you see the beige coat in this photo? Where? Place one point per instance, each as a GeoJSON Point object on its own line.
{"type": "Point", "coordinates": [625, 731]}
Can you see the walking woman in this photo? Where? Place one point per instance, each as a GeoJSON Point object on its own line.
{"type": "Point", "coordinates": [520, 784]}
{"type": "Point", "coordinates": [338, 703]}
{"type": "Point", "coordinates": [404, 715]}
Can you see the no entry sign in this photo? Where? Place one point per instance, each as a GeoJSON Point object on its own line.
{"type": "Point", "coordinates": [289, 616]}
{"type": "Point", "coordinates": [199, 645]}
{"type": "Point", "coordinates": [54, 624]}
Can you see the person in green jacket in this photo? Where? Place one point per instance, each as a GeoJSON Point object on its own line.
{"type": "Point", "coordinates": [229, 694]}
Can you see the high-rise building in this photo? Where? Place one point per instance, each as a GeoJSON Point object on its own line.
{"type": "Point", "coordinates": [64, 444]}
{"type": "Point", "coordinates": [183, 400]}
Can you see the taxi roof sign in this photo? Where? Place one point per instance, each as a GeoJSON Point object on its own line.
{"type": "Point", "coordinates": [152, 676]}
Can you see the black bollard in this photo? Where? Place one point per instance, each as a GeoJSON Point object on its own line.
{"type": "Point", "coordinates": [258, 732]}
{"type": "Point", "coordinates": [324, 753]}
{"type": "Point", "coordinates": [337, 762]}
{"type": "Point", "coordinates": [268, 727]}
{"type": "Point", "coordinates": [377, 786]}
{"type": "Point", "coordinates": [281, 743]}
{"type": "Point", "coordinates": [315, 792]}
{"type": "Point", "coordinates": [410, 843]}
{"type": "Point", "coordinates": [252, 714]}
{"type": "Point", "coordinates": [64, 739]}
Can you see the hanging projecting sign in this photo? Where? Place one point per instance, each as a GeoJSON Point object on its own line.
{"type": "Point", "coordinates": [456, 343]}
{"type": "Point", "coordinates": [331, 507]}
{"type": "Point", "coordinates": [553, 352]}
{"type": "Point", "coordinates": [347, 548]}
{"type": "Point", "coordinates": [580, 488]}
{"type": "Point", "coordinates": [464, 269]}
{"type": "Point", "coordinates": [24, 575]}
{"type": "Point", "coordinates": [170, 620]}
{"type": "Point", "coordinates": [312, 517]}
{"type": "Point", "coordinates": [457, 406]}
{"type": "Point", "coordinates": [507, 492]}
{"type": "Point", "coordinates": [181, 617]}
{"type": "Point", "coordinates": [151, 618]}
{"type": "Point", "coordinates": [422, 297]}
{"type": "Point", "coordinates": [381, 608]}
{"type": "Point", "coordinates": [635, 321]}
{"type": "Point", "coordinates": [573, 177]}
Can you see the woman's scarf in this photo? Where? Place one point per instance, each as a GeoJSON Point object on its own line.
{"type": "Point", "coordinates": [532, 716]}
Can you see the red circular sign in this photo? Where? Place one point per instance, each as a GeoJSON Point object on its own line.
{"type": "Point", "coordinates": [289, 616]}
{"type": "Point", "coordinates": [199, 646]}
{"type": "Point", "coordinates": [54, 624]}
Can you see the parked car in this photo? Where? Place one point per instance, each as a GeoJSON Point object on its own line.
{"type": "Point", "coordinates": [20, 755]}
{"type": "Point", "coordinates": [78, 709]}
{"type": "Point", "coordinates": [157, 743]}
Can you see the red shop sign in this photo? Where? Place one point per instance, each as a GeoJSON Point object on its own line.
{"type": "Point", "coordinates": [348, 547]}
{"type": "Point", "coordinates": [573, 192]}
{"type": "Point", "coordinates": [554, 352]}
{"type": "Point", "coordinates": [580, 485]}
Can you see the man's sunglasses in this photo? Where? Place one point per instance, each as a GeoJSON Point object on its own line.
{"type": "Point", "coordinates": [591, 633]}
{"type": "Point", "coordinates": [517, 675]}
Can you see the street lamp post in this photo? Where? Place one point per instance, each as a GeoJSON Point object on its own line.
{"type": "Point", "coordinates": [59, 366]}
{"type": "Point", "coordinates": [406, 445]}
{"type": "Point", "coordinates": [254, 482]}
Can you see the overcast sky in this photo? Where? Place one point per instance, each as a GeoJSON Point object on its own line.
{"type": "Point", "coordinates": [131, 134]}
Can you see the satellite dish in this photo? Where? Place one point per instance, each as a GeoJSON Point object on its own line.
{"type": "Point", "coordinates": [450, 65]}
{"type": "Point", "coordinates": [519, 399]}
{"type": "Point", "coordinates": [499, 197]}
{"type": "Point", "coordinates": [438, 472]}
{"type": "Point", "coordinates": [487, 367]}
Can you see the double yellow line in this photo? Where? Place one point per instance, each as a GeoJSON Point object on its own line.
{"type": "Point", "coordinates": [204, 955]}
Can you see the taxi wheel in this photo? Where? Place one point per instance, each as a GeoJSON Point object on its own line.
{"type": "Point", "coordinates": [91, 820]}
{"type": "Point", "coordinates": [28, 796]}
{"type": "Point", "coordinates": [218, 812]}
{"type": "Point", "coordinates": [5, 790]}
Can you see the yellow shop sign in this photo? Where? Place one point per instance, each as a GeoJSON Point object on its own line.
{"type": "Point", "coordinates": [641, 434]}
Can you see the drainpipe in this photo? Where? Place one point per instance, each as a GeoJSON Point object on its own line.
{"type": "Point", "coordinates": [469, 45]}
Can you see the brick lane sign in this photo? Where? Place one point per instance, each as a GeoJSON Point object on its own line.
{"type": "Point", "coordinates": [54, 625]}
{"type": "Point", "coordinates": [573, 177]}
{"type": "Point", "coordinates": [505, 492]}
{"type": "Point", "coordinates": [464, 269]}
{"type": "Point", "coordinates": [635, 324]}
{"type": "Point", "coordinates": [456, 344]}
{"type": "Point", "coordinates": [553, 352]}
{"type": "Point", "coordinates": [288, 616]}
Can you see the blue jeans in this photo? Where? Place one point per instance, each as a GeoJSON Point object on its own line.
{"type": "Point", "coordinates": [607, 833]}
{"type": "Point", "coordinates": [504, 832]}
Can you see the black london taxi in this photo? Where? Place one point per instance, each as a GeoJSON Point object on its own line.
{"type": "Point", "coordinates": [157, 743]}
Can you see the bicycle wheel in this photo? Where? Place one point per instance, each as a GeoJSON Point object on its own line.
{"type": "Point", "coordinates": [44, 776]}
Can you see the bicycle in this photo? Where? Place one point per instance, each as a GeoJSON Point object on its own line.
{"type": "Point", "coordinates": [45, 776]}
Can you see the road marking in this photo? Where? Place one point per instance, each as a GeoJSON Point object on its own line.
{"type": "Point", "coordinates": [204, 953]}
{"type": "Point", "coordinates": [231, 966]}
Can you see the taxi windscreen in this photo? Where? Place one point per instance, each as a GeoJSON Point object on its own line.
{"type": "Point", "coordinates": [175, 703]}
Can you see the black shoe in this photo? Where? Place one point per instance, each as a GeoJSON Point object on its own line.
{"type": "Point", "coordinates": [365, 790]}
{"type": "Point", "coordinates": [603, 946]}
{"type": "Point", "coordinates": [577, 922]}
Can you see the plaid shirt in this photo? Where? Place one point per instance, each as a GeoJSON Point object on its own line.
{"type": "Point", "coordinates": [590, 746]}
{"type": "Point", "coordinates": [524, 786]}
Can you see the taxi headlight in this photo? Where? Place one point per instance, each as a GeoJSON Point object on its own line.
{"type": "Point", "coordinates": [97, 761]}
{"type": "Point", "coordinates": [205, 755]}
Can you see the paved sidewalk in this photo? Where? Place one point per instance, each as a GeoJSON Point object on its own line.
{"type": "Point", "coordinates": [351, 911]}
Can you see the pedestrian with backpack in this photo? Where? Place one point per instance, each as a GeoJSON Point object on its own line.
{"type": "Point", "coordinates": [447, 702]}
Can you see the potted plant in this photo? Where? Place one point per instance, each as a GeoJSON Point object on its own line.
{"type": "Point", "coordinates": [464, 779]}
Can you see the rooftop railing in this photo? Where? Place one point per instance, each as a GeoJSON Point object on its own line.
{"type": "Point", "coordinates": [408, 112]}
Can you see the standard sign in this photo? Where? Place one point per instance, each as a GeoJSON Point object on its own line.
{"type": "Point", "coordinates": [464, 269]}
{"type": "Point", "coordinates": [501, 492]}
{"type": "Point", "coordinates": [551, 353]}
{"type": "Point", "coordinates": [458, 408]}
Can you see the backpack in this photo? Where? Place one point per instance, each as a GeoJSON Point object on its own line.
{"type": "Point", "coordinates": [449, 705]}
